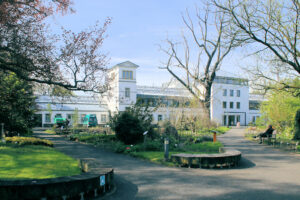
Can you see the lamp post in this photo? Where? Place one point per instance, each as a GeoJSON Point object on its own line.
{"type": "Point", "coordinates": [166, 148]}
{"type": "Point", "coordinates": [145, 139]}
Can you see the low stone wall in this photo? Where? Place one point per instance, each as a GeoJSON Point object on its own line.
{"type": "Point", "coordinates": [228, 158]}
{"type": "Point", "coordinates": [98, 180]}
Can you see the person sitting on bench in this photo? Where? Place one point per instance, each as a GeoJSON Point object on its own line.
{"type": "Point", "coordinates": [267, 133]}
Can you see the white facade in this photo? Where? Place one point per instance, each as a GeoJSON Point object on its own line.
{"type": "Point", "coordinates": [229, 101]}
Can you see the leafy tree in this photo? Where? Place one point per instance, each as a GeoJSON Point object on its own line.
{"type": "Point", "coordinates": [279, 110]}
{"type": "Point", "coordinates": [131, 124]}
{"type": "Point", "coordinates": [17, 104]}
{"type": "Point", "coordinates": [72, 61]}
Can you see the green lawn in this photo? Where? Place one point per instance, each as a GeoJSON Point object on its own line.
{"type": "Point", "coordinates": [35, 162]}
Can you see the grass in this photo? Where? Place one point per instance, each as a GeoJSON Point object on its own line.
{"type": "Point", "coordinates": [35, 162]}
{"type": "Point", "coordinates": [220, 130]}
{"type": "Point", "coordinates": [50, 131]}
{"type": "Point", "coordinates": [158, 156]}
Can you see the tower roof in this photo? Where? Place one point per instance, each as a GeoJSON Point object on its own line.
{"type": "Point", "coordinates": [126, 64]}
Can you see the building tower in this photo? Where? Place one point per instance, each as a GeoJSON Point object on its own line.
{"type": "Point", "coordinates": [123, 86]}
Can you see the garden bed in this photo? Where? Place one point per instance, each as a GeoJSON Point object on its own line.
{"type": "Point", "coordinates": [92, 183]}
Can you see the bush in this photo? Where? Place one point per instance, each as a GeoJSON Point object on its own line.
{"type": "Point", "coordinates": [222, 129]}
{"type": "Point", "coordinates": [170, 130]}
{"type": "Point", "coordinates": [210, 147]}
{"type": "Point", "coordinates": [129, 129]}
{"type": "Point", "coordinates": [130, 125]}
{"type": "Point", "coordinates": [93, 138]}
{"type": "Point", "coordinates": [28, 141]}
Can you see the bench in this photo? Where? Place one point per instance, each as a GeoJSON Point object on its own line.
{"type": "Point", "coordinates": [271, 139]}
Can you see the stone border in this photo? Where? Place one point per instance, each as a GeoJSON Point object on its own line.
{"type": "Point", "coordinates": [97, 181]}
{"type": "Point", "coordinates": [228, 158]}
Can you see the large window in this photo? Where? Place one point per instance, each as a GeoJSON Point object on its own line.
{"type": "Point", "coordinates": [224, 104]}
{"type": "Point", "coordinates": [231, 93]}
{"type": "Point", "coordinates": [48, 118]}
{"type": "Point", "coordinates": [103, 118]}
{"type": "Point", "coordinates": [224, 120]}
{"type": "Point", "coordinates": [231, 105]}
{"type": "Point", "coordinates": [127, 92]}
{"type": "Point", "coordinates": [238, 105]}
{"type": "Point", "coordinates": [58, 115]}
{"type": "Point", "coordinates": [238, 118]}
{"type": "Point", "coordinates": [224, 92]}
{"type": "Point", "coordinates": [69, 117]}
{"type": "Point", "coordinates": [238, 93]}
{"type": "Point", "coordinates": [82, 118]}
{"type": "Point", "coordinates": [159, 118]}
{"type": "Point", "coordinates": [127, 75]}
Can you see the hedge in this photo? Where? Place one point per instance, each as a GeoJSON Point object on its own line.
{"type": "Point", "coordinates": [28, 141]}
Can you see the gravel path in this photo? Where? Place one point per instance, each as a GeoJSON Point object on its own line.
{"type": "Point", "coordinates": [264, 173]}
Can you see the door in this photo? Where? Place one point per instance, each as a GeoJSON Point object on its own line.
{"type": "Point", "coordinates": [38, 120]}
{"type": "Point", "coordinates": [231, 120]}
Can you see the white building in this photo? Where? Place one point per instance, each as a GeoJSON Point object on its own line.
{"type": "Point", "coordinates": [230, 101]}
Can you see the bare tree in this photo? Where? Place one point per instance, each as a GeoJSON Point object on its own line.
{"type": "Point", "coordinates": [72, 61]}
{"type": "Point", "coordinates": [272, 28]}
{"type": "Point", "coordinates": [211, 44]}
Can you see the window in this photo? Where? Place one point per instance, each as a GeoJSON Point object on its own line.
{"type": "Point", "coordinates": [224, 120]}
{"type": "Point", "coordinates": [103, 118]}
{"type": "Point", "coordinates": [82, 118]}
{"type": "Point", "coordinates": [69, 117]}
{"type": "Point", "coordinates": [238, 118]}
{"type": "Point", "coordinates": [231, 104]}
{"type": "Point", "coordinates": [224, 92]}
{"type": "Point", "coordinates": [224, 104]}
{"type": "Point", "coordinates": [253, 119]}
{"type": "Point", "coordinates": [231, 93]}
{"type": "Point", "coordinates": [48, 118]}
{"type": "Point", "coordinates": [238, 105]}
{"type": "Point", "coordinates": [58, 116]}
{"type": "Point", "coordinates": [127, 92]}
{"type": "Point", "coordinates": [159, 118]}
{"type": "Point", "coordinates": [127, 75]}
{"type": "Point", "coordinates": [238, 93]}
{"type": "Point", "coordinates": [254, 105]}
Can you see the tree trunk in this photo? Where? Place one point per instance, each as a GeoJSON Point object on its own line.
{"type": "Point", "coordinates": [297, 126]}
{"type": "Point", "coordinates": [207, 99]}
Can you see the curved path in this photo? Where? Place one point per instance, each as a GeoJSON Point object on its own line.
{"type": "Point", "coordinates": [264, 173]}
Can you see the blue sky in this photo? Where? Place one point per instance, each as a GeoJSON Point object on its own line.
{"type": "Point", "coordinates": [137, 28]}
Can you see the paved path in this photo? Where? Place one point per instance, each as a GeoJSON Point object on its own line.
{"type": "Point", "coordinates": [264, 173]}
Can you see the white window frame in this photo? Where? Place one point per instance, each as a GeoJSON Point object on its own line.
{"type": "Point", "coordinates": [127, 92]}
{"type": "Point", "coordinates": [238, 105]}
{"type": "Point", "coordinates": [48, 120]}
{"type": "Point", "coordinates": [103, 118]}
{"type": "Point", "coordinates": [231, 93]}
{"type": "Point", "coordinates": [238, 93]}
{"type": "Point", "coordinates": [126, 74]}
